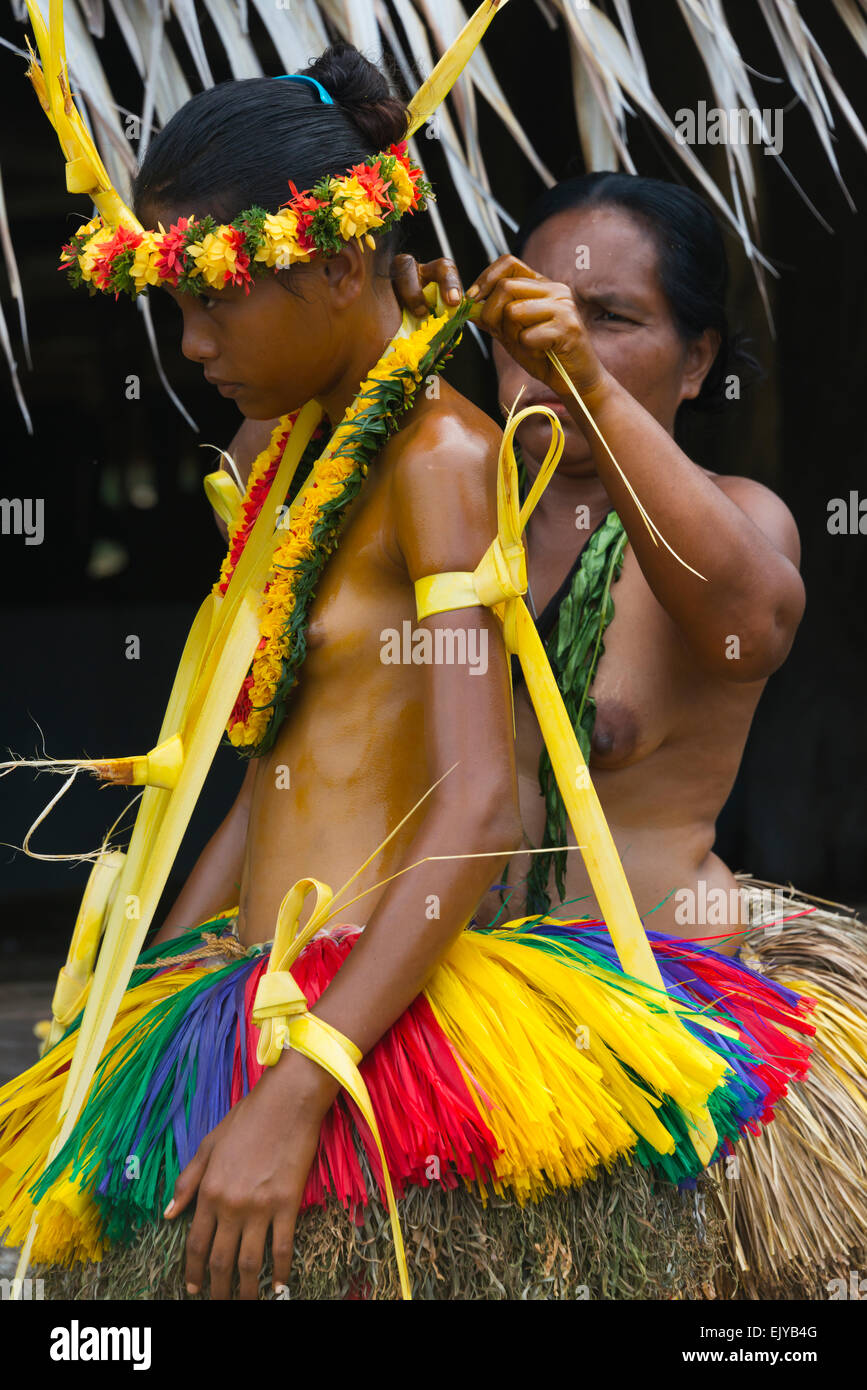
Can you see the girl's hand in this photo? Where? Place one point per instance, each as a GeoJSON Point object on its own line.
{"type": "Point", "coordinates": [250, 1173]}
{"type": "Point", "coordinates": [531, 316]}
{"type": "Point", "coordinates": [409, 279]}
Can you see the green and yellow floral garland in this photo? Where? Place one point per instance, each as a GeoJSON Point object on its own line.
{"type": "Point", "coordinates": [197, 255]}
{"type": "Point", "coordinates": [334, 480]}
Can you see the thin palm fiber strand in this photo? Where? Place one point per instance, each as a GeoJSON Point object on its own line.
{"type": "Point", "coordinates": [796, 1202]}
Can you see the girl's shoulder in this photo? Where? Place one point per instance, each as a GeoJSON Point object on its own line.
{"type": "Point", "coordinates": [443, 426]}
{"type": "Point", "coordinates": [442, 471]}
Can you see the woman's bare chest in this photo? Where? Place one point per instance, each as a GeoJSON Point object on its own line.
{"type": "Point", "coordinates": [636, 689]}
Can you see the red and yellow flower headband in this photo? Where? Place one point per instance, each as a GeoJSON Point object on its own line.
{"type": "Point", "coordinates": [198, 254]}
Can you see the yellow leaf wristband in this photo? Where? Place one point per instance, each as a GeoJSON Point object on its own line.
{"type": "Point", "coordinates": [281, 1014]}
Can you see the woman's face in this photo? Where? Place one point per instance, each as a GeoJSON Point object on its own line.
{"type": "Point", "coordinates": [609, 261]}
{"type": "Point", "coordinates": [270, 350]}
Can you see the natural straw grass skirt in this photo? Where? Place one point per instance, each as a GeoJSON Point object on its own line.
{"type": "Point", "coordinates": [624, 1236]}
{"type": "Point", "coordinates": [794, 1198]}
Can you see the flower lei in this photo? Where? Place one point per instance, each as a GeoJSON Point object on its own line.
{"type": "Point", "coordinates": [196, 255]}
{"type": "Point", "coordinates": [333, 481]}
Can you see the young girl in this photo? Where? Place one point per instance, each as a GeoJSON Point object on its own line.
{"type": "Point", "coordinates": [525, 1057]}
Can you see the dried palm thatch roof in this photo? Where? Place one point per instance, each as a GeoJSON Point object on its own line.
{"type": "Point", "coordinates": [611, 83]}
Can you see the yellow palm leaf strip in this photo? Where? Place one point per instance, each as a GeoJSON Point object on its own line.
{"type": "Point", "coordinates": [155, 841]}
{"type": "Point", "coordinates": [433, 92]}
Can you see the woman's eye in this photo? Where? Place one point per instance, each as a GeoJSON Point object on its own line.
{"type": "Point", "coordinates": [610, 316]}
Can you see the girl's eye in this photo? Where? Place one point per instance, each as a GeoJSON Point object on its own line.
{"type": "Point", "coordinates": [208, 303]}
{"type": "Point", "coordinates": [610, 316]}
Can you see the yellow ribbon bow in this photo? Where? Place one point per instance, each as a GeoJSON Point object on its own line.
{"type": "Point", "coordinates": [499, 582]}
{"type": "Point", "coordinates": [280, 1011]}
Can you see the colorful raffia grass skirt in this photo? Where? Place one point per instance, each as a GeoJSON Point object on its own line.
{"type": "Point", "coordinates": [794, 1197]}
{"type": "Point", "coordinates": [530, 1064]}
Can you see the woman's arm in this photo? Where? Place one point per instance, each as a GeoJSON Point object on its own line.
{"type": "Point", "coordinates": [736, 533]}
{"type": "Point", "coordinates": [215, 881]}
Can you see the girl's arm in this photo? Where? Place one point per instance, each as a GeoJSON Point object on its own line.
{"type": "Point", "coordinates": [734, 532]}
{"type": "Point", "coordinates": [249, 1173]}
{"type": "Point", "coordinates": [215, 881]}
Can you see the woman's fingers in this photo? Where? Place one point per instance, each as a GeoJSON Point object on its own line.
{"type": "Point", "coordinates": [502, 305]}
{"type": "Point", "coordinates": [250, 1256]}
{"type": "Point", "coordinates": [444, 273]}
{"type": "Point", "coordinates": [504, 268]}
{"type": "Point", "coordinates": [282, 1242]}
{"type": "Point", "coordinates": [408, 285]}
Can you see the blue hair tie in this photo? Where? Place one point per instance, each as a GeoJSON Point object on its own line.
{"type": "Point", "coordinates": [325, 97]}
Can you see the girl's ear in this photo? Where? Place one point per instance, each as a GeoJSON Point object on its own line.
{"type": "Point", "coordinates": [344, 275]}
{"type": "Point", "coordinates": [700, 355]}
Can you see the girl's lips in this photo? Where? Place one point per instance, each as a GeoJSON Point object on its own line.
{"type": "Point", "coordinates": [228, 388]}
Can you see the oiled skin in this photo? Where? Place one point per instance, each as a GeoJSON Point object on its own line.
{"type": "Point", "coordinates": [354, 742]}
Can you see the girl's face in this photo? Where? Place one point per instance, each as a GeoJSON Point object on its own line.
{"type": "Point", "coordinates": [609, 261]}
{"type": "Point", "coordinates": [273, 349]}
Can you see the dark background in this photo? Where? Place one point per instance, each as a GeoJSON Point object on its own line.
{"type": "Point", "coordinates": [121, 478]}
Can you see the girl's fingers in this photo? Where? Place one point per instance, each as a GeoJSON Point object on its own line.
{"type": "Point", "coordinates": [223, 1252]}
{"type": "Point", "coordinates": [282, 1242]}
{"type": "Point", "coordinates": [406, 279]}
{"type": "Point", "coordinates": [444, 273]}
{"type": "Point", "coordinates": [199, 1238]}
{"type": "Point", "coordinates": [187, 1184]}
{"type": "Point", "coordinates": [504, 268]}
{"type": "Point", "coordinates": [250, 1257]}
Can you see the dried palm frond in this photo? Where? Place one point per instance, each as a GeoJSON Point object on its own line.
{"type": "Point", "coordinates": [611, 82]}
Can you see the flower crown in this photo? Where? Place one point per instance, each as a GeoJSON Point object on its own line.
{"type": "Point", "coordinates": [198, 254]}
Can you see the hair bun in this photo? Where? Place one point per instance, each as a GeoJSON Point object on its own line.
{"type": "Point", "coordinates": [361, 89]}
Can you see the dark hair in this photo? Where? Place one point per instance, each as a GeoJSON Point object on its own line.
{"type": "Point", "coordinates": [237, 145]}
{"type": "Point", "coordinates": [693, 266]}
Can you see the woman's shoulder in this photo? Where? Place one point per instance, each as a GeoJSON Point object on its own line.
{"type": "Point", "coordinates": [765, 510]}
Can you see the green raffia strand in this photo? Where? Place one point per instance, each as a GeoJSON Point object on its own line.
{"type": "Point", "coordinates": [369, 432]}
{"type": "Point", "coordinates": [574, 650]}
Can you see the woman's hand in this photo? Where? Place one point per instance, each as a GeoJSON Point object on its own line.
{"type": "Point", "coordinates": [409, 279]}
{"type": "Point", "coordinates": [249, 1174]}
{"type": "Point", "coordinates": [531, 316]}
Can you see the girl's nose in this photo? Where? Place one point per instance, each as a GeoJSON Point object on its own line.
{"type": "Point", "coordinates": [197, 340]}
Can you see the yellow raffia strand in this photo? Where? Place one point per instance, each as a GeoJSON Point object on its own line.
{"type": "Point", "coordinates": [327, 480]}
